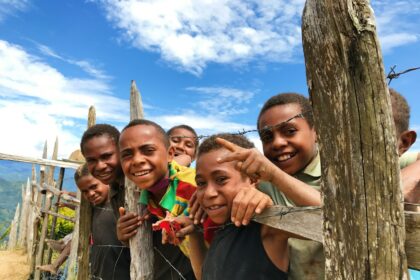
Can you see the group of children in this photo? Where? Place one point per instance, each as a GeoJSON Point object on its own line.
{"type": "Point", "coordinates": [231, 182]}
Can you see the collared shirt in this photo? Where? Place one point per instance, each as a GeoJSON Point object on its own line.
{"type": "Point", "coordinates": [408, 158]}
{"type": "Point", "coordinates": [175, 200]}
{"type": "Point", "coordinates": [310, 175]}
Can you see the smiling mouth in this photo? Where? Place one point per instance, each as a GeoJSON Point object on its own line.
{"type": "Point", "coordinates": [285, 157]}
{"type": "Point", "coordinates": [214, 207]}
{"type": "Point", "coordinates": [141, 173]}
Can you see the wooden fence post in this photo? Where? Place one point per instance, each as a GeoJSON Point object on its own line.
{"type": "Point", "coordinates": [141, 246]}
{"type": "Point", "coordinates": [37, 213]}
{"type": "Point", "coordinates": [24, 217]}
{"type": "Point", "coordinates": [32, 215]}
{"type": "Point", "coordinates": [13, 230]}
{"type": "Point", "coordinates": [79, 254]}
{"type": "Point", "coordinates": [47, 206]}
{"type": "Point", "coordinates": [59, 185]}
{"type": "Point", "coordinates": [363, 212]}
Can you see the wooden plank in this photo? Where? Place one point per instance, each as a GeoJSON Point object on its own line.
{"type": "Point", "coordinates": [412, 239]}
{"type": "Point", "coordinates": [141, 247]}
{"type": "Point", "coordinates": [72, 261]}
{"type": "Point", "coordinates": [57, 215]}
{"type": "Point", "coordinates": [302, 221]}
{"type": "Point", "coordinates": [57, 192]}
{"type": "Point", "coordinates": [307, 222]}
{"type": "Point", "coordinates": [45, 162]}
{"type": "Point", "coordinates": [363, 213]}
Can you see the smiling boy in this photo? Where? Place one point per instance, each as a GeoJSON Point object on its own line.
{"type": "Point", "coordinates": [166, 186]}
{"type": "Point", "coordinates": [226, 165]}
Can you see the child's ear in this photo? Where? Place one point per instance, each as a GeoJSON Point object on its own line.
{"type": "Point", "coordinates": [406, 139]}
{"type": "Point", "coordinates": [171, 153]}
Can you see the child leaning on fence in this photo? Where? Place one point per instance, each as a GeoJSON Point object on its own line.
{"type": "Point", "coordinates": [227, 164]}
{"type": "Point", "coordinates": [109, 258]}
{"type": "Point", "coordinates": [166, 187]}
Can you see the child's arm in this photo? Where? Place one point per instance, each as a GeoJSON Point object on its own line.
{"type": "Point", "coordinates": [257, 166]}
{"type": "Point", "coordinates": [410, 177]}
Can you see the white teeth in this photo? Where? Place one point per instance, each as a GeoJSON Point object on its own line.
{"type": "Point", "coordinates": [284, 157]}
{"type": "Point", "coordinates": [214, 207]}
{"type": "Point", "coordinates": [142, 173]}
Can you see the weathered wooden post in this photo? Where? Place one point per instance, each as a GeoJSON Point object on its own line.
{"type": "Point", "coordinates": [32, 215]}
{"type": "Point", "coordinates": [47, 205]}
{"type": "Point", "coordinates": [24, 217]}
{"type": "Point", "coordinates": [363, 211]}
{"type": "Point", "coordinates": [79, 254]}
{"type": "Point", "coordinates": [37, 211]}
{"type": "Point", "coordinates": [141, 246]}
{"type": "Point", "coordinates": [59, 185]}
{"type": "Point", "coordinates": [13, 230]}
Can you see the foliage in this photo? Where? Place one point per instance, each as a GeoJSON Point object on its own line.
{"type": "Point", "coordinates": [63, 227]}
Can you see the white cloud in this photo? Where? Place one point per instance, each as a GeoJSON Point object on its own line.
{"type": "Point", "coordinates": [223, 101]}
{"type": "Point", "coordinates": [191, 34]}
{"type": "Point", "coordinates": [397, 22]}
{"type": "Point", "coordinates": [83, 64]}
{"type": "Point", "coordinates": [10, 7]}
{"type": "Point", "coordinates": [38, 102]}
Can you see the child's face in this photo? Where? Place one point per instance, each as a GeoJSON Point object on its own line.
{"type": "Point", "coordinates": [291, 143]}
{"type": "Point", "coordinates": [217, 185]}
{"type": "Point", "coordinates": [183, 141]}
{"type": "Point", "coordinates": [144, 156]}
{"type": "Point", "coordinates": [102, 158]}
{"type": "Point", "coordinates": [93, 190]}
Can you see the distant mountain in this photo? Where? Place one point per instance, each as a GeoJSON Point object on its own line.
{"type": "Point", "coordinates": [12, 176]}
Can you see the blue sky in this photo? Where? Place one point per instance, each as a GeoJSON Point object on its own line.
{"type": "Point", "coordinates": [209, 64]}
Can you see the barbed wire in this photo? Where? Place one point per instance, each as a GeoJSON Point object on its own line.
{"type": "Point", "coordinates": [392, 75]}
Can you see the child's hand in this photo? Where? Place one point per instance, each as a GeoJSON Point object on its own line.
{"type": "Point", "coordinates": [181, 159]}
{"type": "Point", "coordinates": [128, 223]}
{"type": "Point", "coordinates": [197, 213]}
{"type": "Point", "coordinates": [247, 202]}
{"type": "Point", "coordinates": [250, 161]}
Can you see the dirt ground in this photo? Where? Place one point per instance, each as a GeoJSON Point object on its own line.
{"type": "Point", "coordinates": [13, 265]}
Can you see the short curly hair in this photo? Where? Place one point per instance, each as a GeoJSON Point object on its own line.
{"type": "Point", "coordinates": [159, 129]}
{"type": "Point", "coordinates": [289, 98]}
{"type": "Point", "coordinates": [210, 143]}
{"type": "Point", "coordinates": [99, 130]}
{"type": "Point", "coordinates": [81, 172]}
{"type": "Point", "coordinates": [400, 111]}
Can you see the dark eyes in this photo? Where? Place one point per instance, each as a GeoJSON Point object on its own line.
{"type": "Point", "coordinates": [200, 183]}
{"type": "Point", "coordinates": [267, 135]}
{"type": "Point", "coordinates": [176, 139]}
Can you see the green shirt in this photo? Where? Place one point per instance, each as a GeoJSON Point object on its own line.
{"type": "Point", "coordinates": [306, 257]}
{"type": "Point", "coordinates": [310, 175]}
{"type": "Point", "coordinates": [408, 158]}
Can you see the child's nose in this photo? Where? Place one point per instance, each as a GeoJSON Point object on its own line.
{"type": "Point", "coordinates": [101, 164]}
{"type": "Point", "coordinates": [279, 141]}
{"type": "Point", "coordinates": [138, 159]}
{"type": "Point", "coordinates": [210, 191]}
